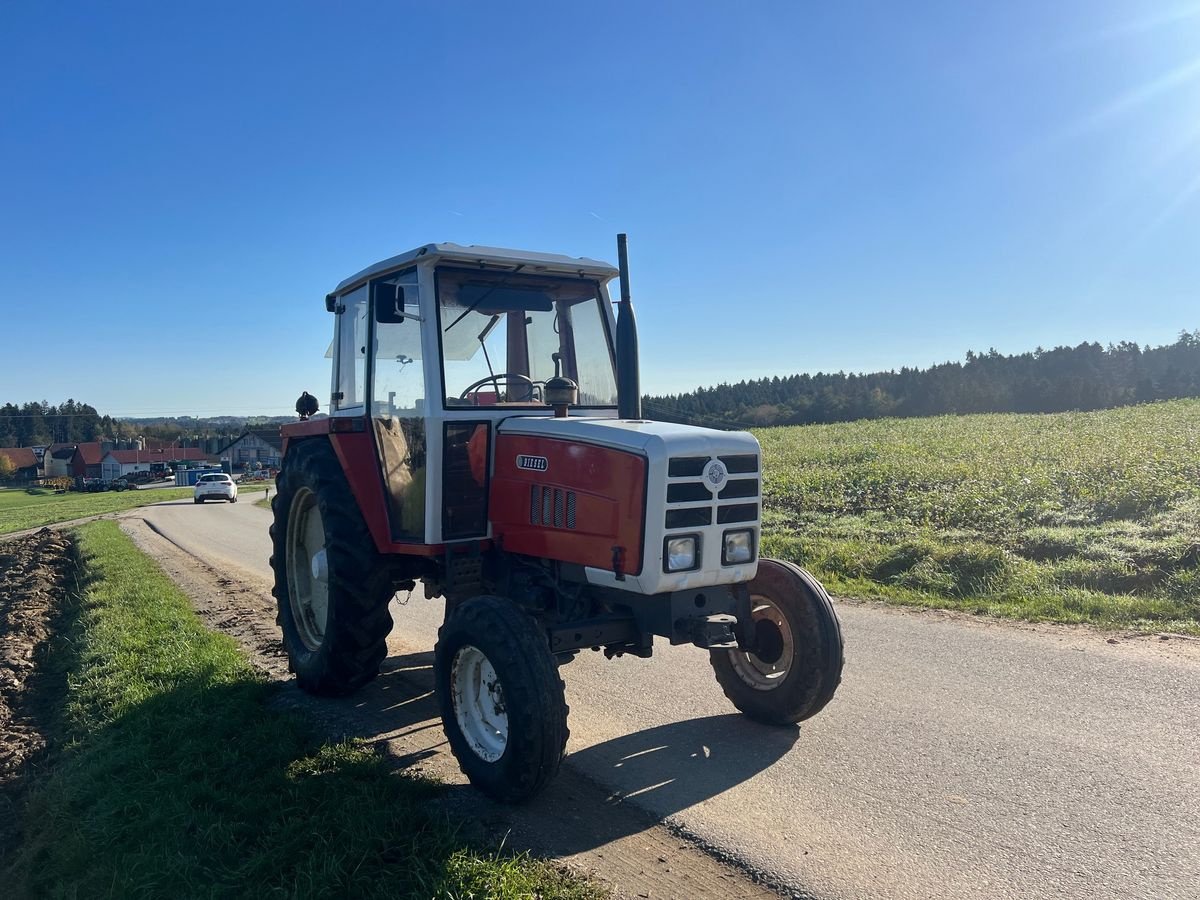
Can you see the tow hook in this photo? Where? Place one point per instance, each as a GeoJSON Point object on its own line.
{"type": "Point", "coordinates": [710, 632]}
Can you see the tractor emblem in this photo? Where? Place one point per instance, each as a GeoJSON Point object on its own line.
{"type": "Point", "coordinates": [716, 474]}
{"type": "Point", "coordinates": [532, 463]}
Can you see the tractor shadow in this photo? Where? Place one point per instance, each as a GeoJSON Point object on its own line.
{"type": "Point", "coordinates": [603, 793]}
{"type": "Point", "coordinates": [398, 705]}
{"type": "Point", "coordinates": [620, 787]}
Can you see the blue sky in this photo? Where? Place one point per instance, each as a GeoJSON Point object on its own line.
{"type": "Point", "coordinates": [848, 186]}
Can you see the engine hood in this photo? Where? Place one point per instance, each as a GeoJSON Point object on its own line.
{"type": "Point", "coordinates": [650, 439]}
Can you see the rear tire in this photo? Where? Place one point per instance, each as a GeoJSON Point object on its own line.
{"type": "Point", "coordinates": [800, 642]}
{"type": "Point", "coordinates": [331, 586]}
{"type": "Point", "coordinates": [197, 500]}
{"type": "Point", "coordinates": [501, 699]}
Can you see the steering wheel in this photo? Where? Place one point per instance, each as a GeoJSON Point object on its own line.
{"type": "Point", "coordinates": [507, 377]}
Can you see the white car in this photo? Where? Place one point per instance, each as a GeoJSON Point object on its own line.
{"type": "Point", "coordinates": [215, 486]}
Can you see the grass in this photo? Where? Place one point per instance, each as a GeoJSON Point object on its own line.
{"type": "Point", "coordinates": [1076, 517]}
{"type": "Point", "coordinates": [21, 509]}
{"type": "Point", "coordinates": [179, 778]}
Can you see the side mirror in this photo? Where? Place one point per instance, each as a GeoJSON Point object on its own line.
{"type": "Point", "coordinates": [388, 301]}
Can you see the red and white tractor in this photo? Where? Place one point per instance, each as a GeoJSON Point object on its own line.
{"type": "Point", "coordinates": [485, 438]}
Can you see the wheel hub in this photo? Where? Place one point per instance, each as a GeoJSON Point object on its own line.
{"type": "Point", "coordinates": [320, 566]}
{"type": "Point", "coordinates": [766, 666]}
{"type": "Point", "coordinates": [478, 700]}
{"type": "Point", "coordinates": [768, 641]}
{"type": "Point", "coordinates": [307, 569]}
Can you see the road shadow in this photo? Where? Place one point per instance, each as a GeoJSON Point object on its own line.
{"type": "Point", "coordinates": [604, 792]}
{"type": "Point", "coordinates": [675, 766]}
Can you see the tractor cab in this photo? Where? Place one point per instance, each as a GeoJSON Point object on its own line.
{"type": "Point", "coordinates": [433, 348]}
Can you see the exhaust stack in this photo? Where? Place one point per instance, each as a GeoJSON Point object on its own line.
{"type": "Point", "coordinates": [629, 392]}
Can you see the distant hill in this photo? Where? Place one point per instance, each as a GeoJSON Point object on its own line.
{"type": "Point", "coordinates": [1086, 377]}
{"type": "Point", "coordinates": [210, 423]}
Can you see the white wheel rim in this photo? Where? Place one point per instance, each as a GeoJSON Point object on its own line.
{"type": "Point", "coordinates": [760, 675]}
{"type": "Point", "coordinates": [307, 569]}
{"type": "Point", "coordinates": [478, 699]}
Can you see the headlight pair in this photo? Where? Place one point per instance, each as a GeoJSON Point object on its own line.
{"type": "Point", "coordinates": [681, 553]}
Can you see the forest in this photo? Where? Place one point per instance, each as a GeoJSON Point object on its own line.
{"type": "Point", "coordinates": [1087, 377]}
{"type": "Point", "coordinates": [33, 424]}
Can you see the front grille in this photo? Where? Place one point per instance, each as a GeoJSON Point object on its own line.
{"type": "Point", "coordinates": [689, 518]}
{"type": "Point", "coordinates": [552, 507]}
{"type": "Point", "coordinates": [686, 466]}
{"type": "Point", "coordinates": [690, 501]}
{"type": "Point", "coordinates": [743, 487]}
{"type": "Point", "coordinates": [689, 492]}
{"type": "Point", "coordinates": [742, 464]}
{"type": "Point", "coordinates": [738, 512]}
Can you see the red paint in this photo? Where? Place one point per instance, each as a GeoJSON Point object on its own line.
{"type": "Point", "coordinates": [307, 428]}
{"type": "Point", "coordinates": [610, 491]}
{"type": "Point", "coordinates": [360, 462]}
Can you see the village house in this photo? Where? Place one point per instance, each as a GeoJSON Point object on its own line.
{"type": "Point", "coordinates": [255, 445]}
{"type": "Point", "coordinates": [125, 462]}
{"type": "Point", "coordinates": [85, 461]}
{"type": "Point", "coordinates": [24, 462]}
{"type": "Point", "coordinates": [56, 461]}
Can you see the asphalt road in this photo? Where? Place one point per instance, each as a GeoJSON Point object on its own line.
{"type": "Point", "coordinates": [958, 759]}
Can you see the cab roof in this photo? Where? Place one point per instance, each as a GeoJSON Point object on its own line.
{"type": "Point", "coordinates": [551, 263]}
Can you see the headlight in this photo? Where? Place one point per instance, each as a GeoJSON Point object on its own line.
{"type": "Point", "coordinates": [681, 553]}
{"type": "Point", "coordinates": [738, 547]}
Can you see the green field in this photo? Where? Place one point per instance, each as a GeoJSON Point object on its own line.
{"type": "Point", "coordinates": [1075, 517]}
{"type": "Point", "coordinates": [180, 776]}
{"type": "Point", "coordinates": [20, 509]}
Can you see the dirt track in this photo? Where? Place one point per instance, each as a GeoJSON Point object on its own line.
{"type": "Point", "coordinates": [33, 582]}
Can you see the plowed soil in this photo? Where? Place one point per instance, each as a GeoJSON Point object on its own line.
{"type": "Point", "coordinates": [34, 573]}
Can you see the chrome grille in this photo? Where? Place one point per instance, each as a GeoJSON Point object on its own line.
{"type": "Point", "coordinates": [690, 502]}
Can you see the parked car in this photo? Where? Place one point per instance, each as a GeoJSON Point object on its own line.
{"type": "Point", "coordinates": [215, 486]}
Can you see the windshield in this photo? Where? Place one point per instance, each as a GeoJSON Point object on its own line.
{"type": "Point", "coordinates": [501, 330]}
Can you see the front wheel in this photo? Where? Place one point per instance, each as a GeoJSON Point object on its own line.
{"type": "Point", "coordinates": [795, 663]}
{"type": "Point", "coordinates": [501, 699]}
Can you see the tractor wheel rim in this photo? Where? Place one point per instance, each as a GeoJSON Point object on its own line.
{"type": "Point", "coordinates": [308, 569]}
{"type": "Point", "coordinates": [757, 673]}
{"type": "Point", "coordinates": [478, 699]}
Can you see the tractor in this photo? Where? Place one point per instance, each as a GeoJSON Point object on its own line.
{"type": "Point", "coordinates": [484, 438]}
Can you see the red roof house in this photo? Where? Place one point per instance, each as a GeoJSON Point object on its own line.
{"type": "Point", "coordinates": [86, 460]}
{"type": "Point", "coordinates": [24, 461]}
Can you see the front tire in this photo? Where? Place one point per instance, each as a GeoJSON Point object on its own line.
{"type": "Point", "coordinates": [796, 665]}
{"type": "Point", "coordinates": [331, 586]}
{"type": "Point", "coordinates": [501, 699]}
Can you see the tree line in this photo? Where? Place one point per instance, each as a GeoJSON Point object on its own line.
{"type": "Point", "coordinates": [1089, 376]}
{"type": "Point", "coordinates": [35, 424]}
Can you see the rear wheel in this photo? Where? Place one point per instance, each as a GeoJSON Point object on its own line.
{"type": "Point", "coordinates": [331, 586]}
{"type": "Point", "coordinates": [501, 699]}
{"type": "Point", "coordinates": [795, 665]}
